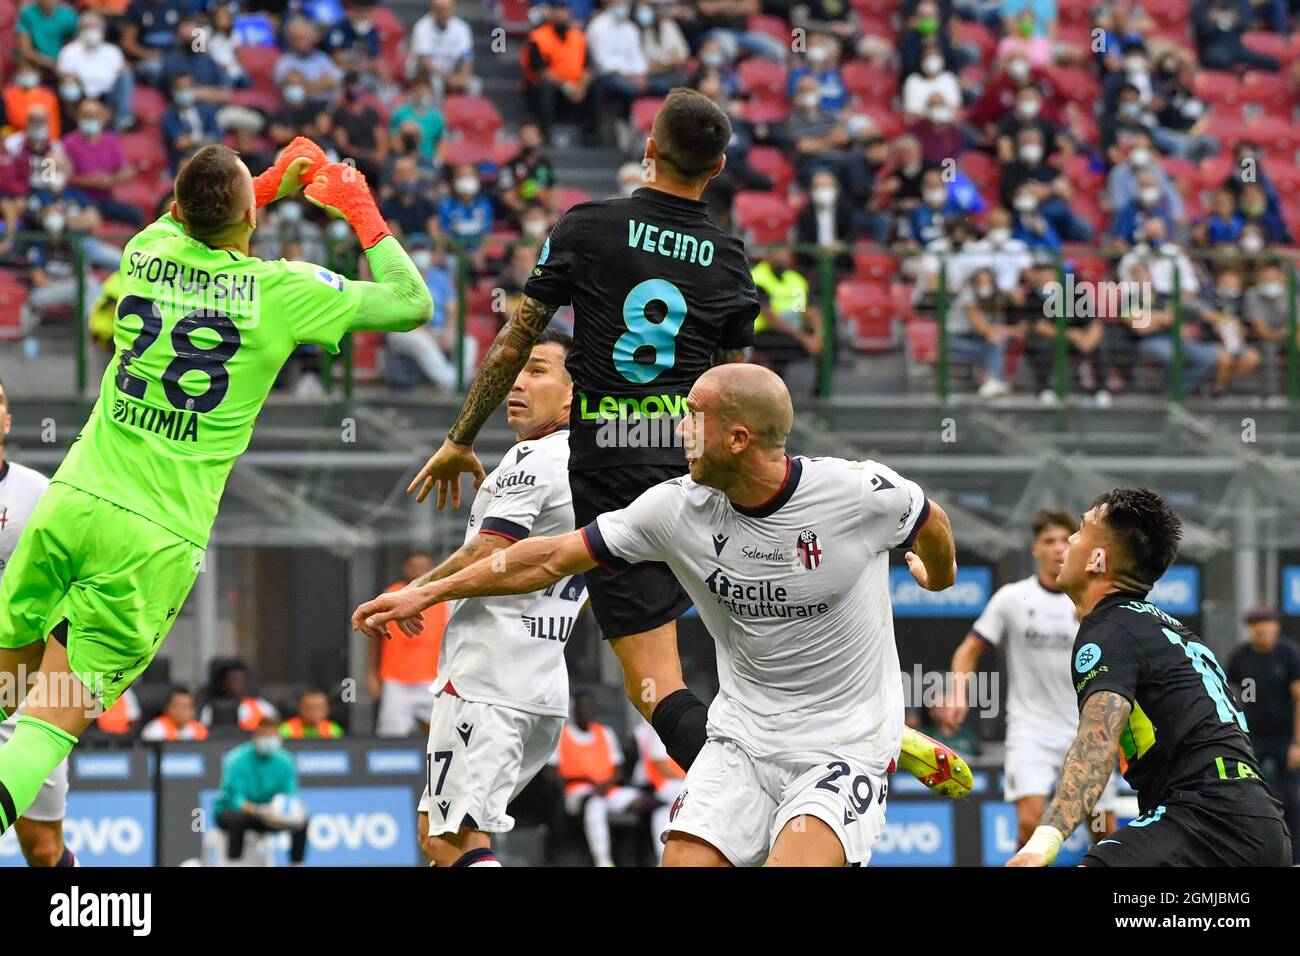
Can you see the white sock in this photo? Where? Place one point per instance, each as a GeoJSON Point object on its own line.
{"type": "Point", "coordinates": [595, 821]}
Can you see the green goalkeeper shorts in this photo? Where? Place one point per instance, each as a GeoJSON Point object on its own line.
{"type": "Point", "coordinates": [117, 579]}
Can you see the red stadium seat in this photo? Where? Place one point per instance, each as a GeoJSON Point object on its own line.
{"type": "Point", "coordinates": [1214, 171]}
{"type": "Point", "coordinates": [1182, 171]}
{"type": "Point", "coordinates": [1074, 11]}
{"type": "Point", "coordinates": [1221, 90]}
{"type": "Point", "coordinates": [762, 217]}
{"type": "Point", "coordinates": [563, 197]}
{"type": "Point", "coordinates": [873, 23]}
{"type": "Point", "coordinates": [1269, 44]}
{"type": "Point", "coordinates": [774, 27]}
{"type": "Point", "coordinates": [1077, 36]}
{"type": "Point", "coordinates": [982, 169]}
{"type": "Point", "coordinates": [144, 150]}
{"type": "Point", "coordinates": [8, 14]}
{"type": "Point", "coordinates": [256, 98]}
{"type": "Point", "coordinates": [472, 151]}
{"type": "Point", "coordinates": [886, 119]}
{"type": "Point", "coordinates": [1091, 268]}
{"type": "Point", "coordinates": [1176, 12]}
{"type": "Point", "coordinates": [148, 106]}
{"type": "Point", "coordinates": [923, 340]}
{"type": "Point", "coordinates": [143, 193]}
{"type": "Point", "coordinates": [765, 111]}
{"type": "Point", "coordinates": [513, 15]}
{"type": "Point", "coordinates": [771, 162]}
{"type": "Point", "coordinates": [866, 311]}
{"type": "Point", "coordinates": [12, 296]}
{"type": "Point", "coordinates": [1076, 83]}
{"type": "Point", "coordinates": [978, 36]}
{"type": "Point", "coordinates": [643, 113]}
{"type": "Point", "coordinates": [763, 79]}
{"type": "Point", "coordinates": [366, 350]}
{"type": "Point", "coordinates": [1078, 170]}
{"type": "Point", "coordinates": [871, 265]}
{"type": "Point", "coordinates": [1229, 129]}
{"type": "Point", "coordinates": [258, 61]}
{"type": "Point", "coordinates": [1268, 92]}
{"type": "Point", "coordinates": [472, 117]}
{"type": "Point", "coordinates": [1275, 135]}
{"type": "Point", "coordinates": [389, 27]}
{"type": "Point", "coordinates": [1087, 206]}
{"type": "Point", "coordinates": [870, 83]}
{"type": "Point", "coordinates": [1286, 177]}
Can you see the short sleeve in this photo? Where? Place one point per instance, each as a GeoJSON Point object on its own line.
{"type": "Point", "coordinates": [1106, 657]}
{"type": "Point", "coordinates": [991, 625]}
{"type": "Point", "coordinates": [523, 489]}
{"type": "Point", "coordinates": [552, 277]}
{"type": "Point", "coordinates": [642, 531]}
{"type": "Point", "coordinates": [319, 304]}
{"type": "Point", "coordinates": [893, 508]}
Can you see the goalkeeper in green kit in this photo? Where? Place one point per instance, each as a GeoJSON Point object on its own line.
{"type": "Point", "coordinates": [202, 329]}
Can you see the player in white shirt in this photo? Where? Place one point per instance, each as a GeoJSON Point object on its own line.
{"type": "Point", "coordinates": [786, 561]}
{"type": "Point", "coordinates": [1034, 624]}
{"type": "Point", "coordinates": [40, 828]}
{"type": "Point", "coordinates": [502, 689]}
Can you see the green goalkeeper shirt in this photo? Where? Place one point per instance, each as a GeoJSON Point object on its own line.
{"type": "Point", "coordinates": [200, 336]}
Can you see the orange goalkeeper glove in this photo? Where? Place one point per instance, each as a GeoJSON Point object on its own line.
{"type": "Point", "coordinates": [281, 180]}
{"type": "Point", "coordinates": [341, 190]}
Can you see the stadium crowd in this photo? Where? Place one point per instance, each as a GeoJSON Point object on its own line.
{"type": "Point", "coordinates": [995, 145]}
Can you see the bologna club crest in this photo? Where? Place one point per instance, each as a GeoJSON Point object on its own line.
{"type": "Point", "coordinates": [809, 551]}
{"type": "Point", "coordinates": [677, 806]}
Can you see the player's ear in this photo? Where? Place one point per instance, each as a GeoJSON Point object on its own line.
{"type": "Point", "coordinates": [1097, 561]}
{"type": "Point", "coordinates": [174, 211]}
{"type": "Point", "coordinates": [722, 163]}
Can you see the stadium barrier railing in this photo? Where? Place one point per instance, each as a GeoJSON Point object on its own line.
{"type": "Point", "coordinates": [827, 272]}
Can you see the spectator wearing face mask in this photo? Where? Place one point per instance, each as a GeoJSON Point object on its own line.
{"type": "Point", "coordinates": [618, 62]}
{"type": "Point", "coordinates": [937, 131]}
{"type": "Point", "coordinates": [255, 776]}
{"type": "Point", "coordinates": [99, 163]}
{"type": "Point", "coordinates": [950, 256]}
{"type": "Point", "coordinates": [827, 220]}
{"type": "Point", "coordinates": [321, 76]}
{"type": "Point", "coordinates": [1121, 25]}
{"type": "Point", "coordinates": [978, 332]}
{"type": "Point", "coordinates": [663, 45]}
{"type": "Point", "coordinates": [465, 215]}
{"type": "Point", "coordinates": [557, 69]}
{"type": "Point", "coordinates": [1090, 345]}
{"type": "Point", "coordinates": [441, 49]}
{"type": "Point", "coordinates": [1266, 308]}
{"type": "Point", "coordinates": [715, 59]}
{"type": "Point", "coordinates": [920, 87]}
{"type": "Point", "coordinates": [1221, 316]}
{"type": "Point", "coordinates": [1135, 71]}
{"type": "Point", "coordinates": [817, 137]}
{"type": "Point", "coordinates": [822, 63]}
{"type": "Point", "coordinates": [1222, 225]}
{"type": "Point", "coordinates": [1123, 126]}
{"type": "Point", "coordinates": [831, 17]}
{"type": "Point", "coordinates": [188, 124]}
{"type": "Point", "coordinates": [1029, 225]}
{"type": "Point", "coordinates": [1027, 36]}
{"type": "Point", "coordinates": [728, 21]}
{"type": "Point", "coordinates": [359, 130]}
{"type": "Point", "coordinates": [1031, 170]}
{"type": "Point", "coordinates": [95, 68]}
{"type": "Point", "coordinates": [432, 347]}
{"type": "Point", "coordinates": [1026, 114]}
{"type": "Point", "coordinates": [294, 116]}
{"type": "Point", "coordinates": [407, 205]}
{"type": "Point", "coordinates": [1004, 256]}
{"type": "Point", "coordinates": [50, 257]}
{"type": "Point", "coordinates": [1122, 180]}
{"type": "Point", "coordinates": [223, 42]}
{"type": "Point", "coordinates": [1218, 26]}
{"type": "Point", "coordinates": [285, 224]}
{"type": "Point", "coordinates": [189, 56]}
{"type": "Point", "coordinates": [419, 115]}
{"type": "Point", "coordinates": [1255, 212]}
{"type": "Point", "coordinates": [928, 220]}
{"type": "Point", "coordinates": [353, 42]}
{"type": "Point", "coordinates": [34, 153]}
{"type": "Point", "coordinates": [1183, 116]}
{"type": "Point", "coordinates": [1131, 219]}
{"type": "Point", "coordinates": [926, 29]}
{"type": "Point", "coordinates": [24, 92]}
{"type": "Point", "coordinates": [43, 27]}
{"type": "Point", "coordinates": [1248, 168]}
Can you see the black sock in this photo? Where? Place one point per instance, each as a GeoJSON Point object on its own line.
{"type": "Point", "coordinates": [67, 859]}
{"type": "Point", "coordinates": [680, 720]}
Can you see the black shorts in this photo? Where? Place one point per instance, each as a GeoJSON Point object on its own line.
{"type": "Point", "coordinates": [1184, 834]}
{"type": "Point", "coordinates": [642, 596]}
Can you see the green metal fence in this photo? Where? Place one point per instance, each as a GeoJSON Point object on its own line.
{"type": "Point", "coordinates": [825, 276]}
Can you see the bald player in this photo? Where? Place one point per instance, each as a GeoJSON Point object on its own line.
{"type": "Point", "coordinates": [785, 557]}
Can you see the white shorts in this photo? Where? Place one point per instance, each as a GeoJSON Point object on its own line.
{"type": "Point", "coordinates": [51, 801]}
{"type": "Point", "coordinates": [1032, 768]}
{"type": "Point", "coordinates": [480, 757]}
{"type": "Point", "coordinates": [402, 708]}
{"type": "Point", "coordinates": [739, 803]}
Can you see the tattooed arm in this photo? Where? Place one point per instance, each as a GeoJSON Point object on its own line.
{"type": "Point", "coordinates": [1088, 766]}
{"type": "Point", "coordinates": [501, 365]}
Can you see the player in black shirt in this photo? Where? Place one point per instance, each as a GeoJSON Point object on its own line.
{"type": "Point", "coordinates": [1155, 697]}
{"type": "Point", "coordinates": [659, 294]}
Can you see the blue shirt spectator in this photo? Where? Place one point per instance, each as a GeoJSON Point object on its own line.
{"type": "Point", "coordinates": [831, 83]}
{"type": "Point", "coordinates": [1131, 219]}
{"type": "Point", "coordinates": [466, 220]}
{"type": "Point", "coordinates": [1044, 12]}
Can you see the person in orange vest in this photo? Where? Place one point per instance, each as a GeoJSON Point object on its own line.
{"type": "Point", "coordinates": [313, 720]}
{"type": "Point", "coordinates": [27, 91]}
{"type": "Point", "coordinates": [252, 710]}
{"type": "Point", "coordinates": [556, 68]}
{"type": "Point", "coordinates": [121, 719]}
{"type": "Point", "coordinates": [176, 722]}
{"type": "Point", "coordinates": [403, 669]}
{"type": "Point", "coordinates": [588, 761]}
{"type": "Point", "coordinates": [661, 774]}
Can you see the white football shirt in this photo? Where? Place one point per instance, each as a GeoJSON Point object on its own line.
{"type": "Point", "coordinates": [796, 596]}
{"type": "Point", "coordinates": [20, 489]}
{"type": "Point", "coordinates": [1035, 628]}
{"type": "Point", "coordinates": [509, 649]}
